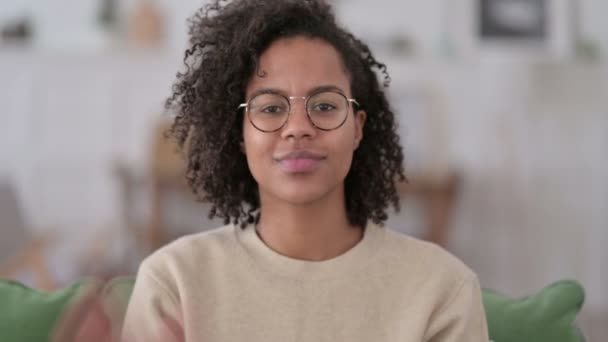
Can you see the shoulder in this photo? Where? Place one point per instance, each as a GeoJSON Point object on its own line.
{"type": "Point", "coordinates": [190, 253]}
{"type": "Point", "coordinates": [422, 273]}
{"type": "Point", "coordinates": [431, 263]}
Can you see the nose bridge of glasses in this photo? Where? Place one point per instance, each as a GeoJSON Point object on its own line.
{"type": "Point", "coordinates": [291, 101]}
{"type": "Point", "coordinates": [293, 105]}
{"type": "Point", "coordinates": [298, 114]}
{"type": "Point", "coordinates": [297, 97]}
{"type": "Point", "coordinates": [297, 121]}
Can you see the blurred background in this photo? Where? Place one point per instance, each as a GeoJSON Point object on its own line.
{"type": "Point", "coordinates": [503, 113]}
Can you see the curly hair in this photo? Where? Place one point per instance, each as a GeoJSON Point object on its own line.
{"type": "Point", "coordinates": [226, 41]}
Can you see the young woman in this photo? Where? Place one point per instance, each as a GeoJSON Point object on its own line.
{"type": "Point", "coordinates": [290, 136]}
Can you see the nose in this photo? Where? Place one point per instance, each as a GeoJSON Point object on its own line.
{"type": "Point", "coordinates": [298, 125]}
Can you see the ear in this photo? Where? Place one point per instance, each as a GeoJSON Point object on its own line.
{"type": "Point", "coordinates": [360, 118]}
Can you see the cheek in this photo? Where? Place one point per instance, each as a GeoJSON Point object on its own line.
{"type": "Point", "coordinates": [257, 147]}
{"type": "Point", "coordinates": [343, 151]}
{"type": "Point", "coordinates": [251, 140]}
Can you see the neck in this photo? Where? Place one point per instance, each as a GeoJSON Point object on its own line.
{"type": "Point", "coordinates": [314, 231]}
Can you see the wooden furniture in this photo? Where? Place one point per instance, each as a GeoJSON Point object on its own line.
{"type": "Point", "coordinates": [166, 175]}
{"type": "Point", "coordinates": [168, 169]}
{"type": "Point", "coordinates": [439, 195]}
{"type": "Point", "coordinates": [21, 251]}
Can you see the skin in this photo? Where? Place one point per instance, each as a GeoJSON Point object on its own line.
{"type": "Point", "coordinates": [303, 214]}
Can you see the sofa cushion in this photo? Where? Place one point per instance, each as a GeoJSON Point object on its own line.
{"type": "Point", "coordinates": [547, 316]}
{"type": "Point", "coordinates": [115, 297]}
{"type": "Point", "coordinates": [28, 315]}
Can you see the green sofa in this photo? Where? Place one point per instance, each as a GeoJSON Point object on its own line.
{"type": "Point", "coordinates": [27, 315]}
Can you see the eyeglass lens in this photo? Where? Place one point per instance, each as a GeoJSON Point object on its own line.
{"type": "Point", "coordinates": [269, 111]}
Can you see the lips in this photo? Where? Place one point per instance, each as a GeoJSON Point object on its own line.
{"type": "Point", "coordinates": [300, 161]}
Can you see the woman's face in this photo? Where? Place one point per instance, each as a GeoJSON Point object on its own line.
{"type": "Point", "coordinates": [300, 164]}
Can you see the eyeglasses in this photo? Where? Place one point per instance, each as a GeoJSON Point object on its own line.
{"type": "Point", "coordinates": [326, 110]}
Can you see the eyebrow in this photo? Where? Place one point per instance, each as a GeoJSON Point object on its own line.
{"type": "Point", "coordinates": [314, 90]}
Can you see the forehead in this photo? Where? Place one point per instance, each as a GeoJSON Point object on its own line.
{"type": "Point", "coordinates": [297, 65]}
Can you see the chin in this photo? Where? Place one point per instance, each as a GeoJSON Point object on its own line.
{"type": "Point", "coordinates": [302, 201]}
{"type": "Point", "coordinates": [299, 190]}
{"type": "Point", "coordinates": [302, 194]}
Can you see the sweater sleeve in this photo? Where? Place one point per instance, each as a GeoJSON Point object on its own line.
{"type": "Point", "coordinates": [153, 313]}
{"type": "Point", "coordinates": [462, 318]}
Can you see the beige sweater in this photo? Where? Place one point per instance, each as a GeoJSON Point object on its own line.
{"type": "Point", "coordinates": [226, 285]}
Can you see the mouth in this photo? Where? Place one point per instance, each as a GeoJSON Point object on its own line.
{"type": "Point", "coordinates": [300, 161]}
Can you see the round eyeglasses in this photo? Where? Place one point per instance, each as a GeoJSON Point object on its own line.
{"type": "Point", "coordinates": [326, 110]}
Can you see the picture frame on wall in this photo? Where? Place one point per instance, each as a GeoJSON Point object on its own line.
{"type": "Point", "coordinates": [513, 19]}
{"type": "Point", "coordinates": [529, 29]}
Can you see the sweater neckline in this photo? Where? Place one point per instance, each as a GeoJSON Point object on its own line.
{"type": "Point", "coordinates": [272, 261]}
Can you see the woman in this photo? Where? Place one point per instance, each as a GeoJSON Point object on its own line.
{"type": "Point", "coordinates": [290, 137]}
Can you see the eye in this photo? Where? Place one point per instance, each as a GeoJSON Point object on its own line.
{"type": "Point", "coordinates": [323, 107]}
{"type": "Point", "coordinates": [273, 109]}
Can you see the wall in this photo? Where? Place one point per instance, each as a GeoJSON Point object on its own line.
{"type": "Point", "coordinates": [422, 19]}
{"type": "Point", "coordinates": [530, 138]}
